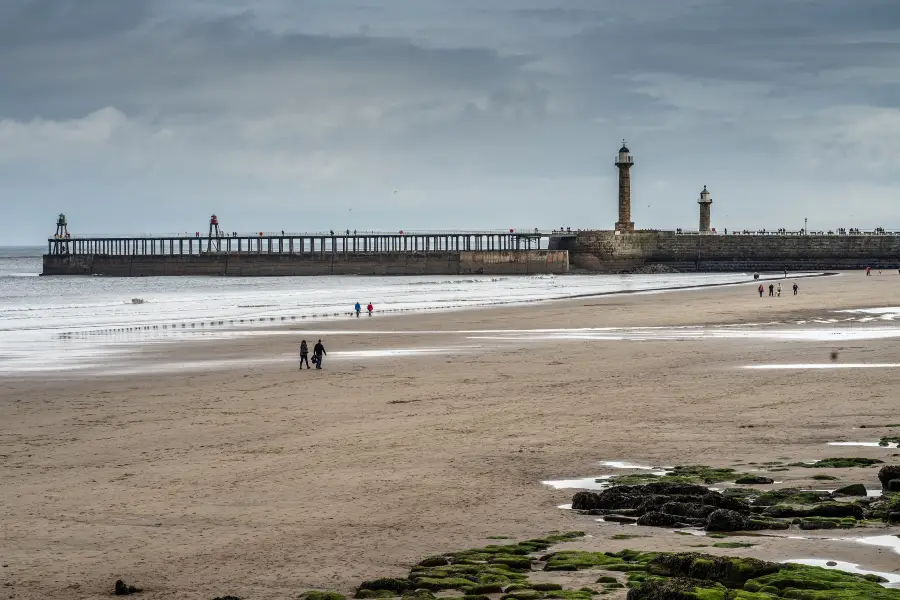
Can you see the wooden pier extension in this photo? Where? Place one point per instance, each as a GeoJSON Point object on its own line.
{"type": "Point", "coordinates": [405, 253]}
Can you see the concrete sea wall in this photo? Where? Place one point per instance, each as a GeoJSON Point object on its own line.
{"type": "Point", "coordinates": [520, 262]}
{"type": "Point", "coordinates": [608, 251]}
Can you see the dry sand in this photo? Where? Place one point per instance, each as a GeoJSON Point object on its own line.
{"type": "Point", "coordinates": [262, 481]}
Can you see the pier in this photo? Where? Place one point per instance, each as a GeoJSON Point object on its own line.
{"type": "Point", "coordinates": [320, 253]}
{"type": "Point", "coordinates": [301, 243]}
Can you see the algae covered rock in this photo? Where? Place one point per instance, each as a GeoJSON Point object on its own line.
{"type": "Point", "coordinates": [726, 520]}
{"type": "Point", "coordinates": [893, 485]}
{"type": "Point", "coordinates": [840, 463]}
{"type": "Point", "coordinates": [754, 480]}
{"type": "Point", "coordinates": [791, 496]}
{"type": "Point", "coordinates": [855, 489]}
{"type": "Point", "coordinates": [888, 473]}
{"type": "Point", "coordinates": [373, 594]}
{"type": "Point", "coordinates": [393, 585]}
{"type": "Point", "coordinates": [420, 594]}
{"type": "Point", "coordinates": [523, 595]}
{"type": "Point", "coordinates": [729, 571]}
{"type": "Point", "coordinates": [319, 595]}
{"type": "Point", "coordinates": [678, 589]}
{"type": "Point", "coordinates": [435, 561]}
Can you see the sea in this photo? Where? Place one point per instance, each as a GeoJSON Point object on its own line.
{"type": "Point", "coordinates": [61, 323]}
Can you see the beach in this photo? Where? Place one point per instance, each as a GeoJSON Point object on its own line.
{"type": "Point", "coordinates": [212, 467]}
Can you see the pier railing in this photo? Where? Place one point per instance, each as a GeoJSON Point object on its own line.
{"type": "Point", "coordinates": [786, 233]}
{"type": "Point", "coordinates": [319, 243]}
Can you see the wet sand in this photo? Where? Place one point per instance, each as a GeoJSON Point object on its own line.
{"type": "Point", "coordinates": [261, 481]}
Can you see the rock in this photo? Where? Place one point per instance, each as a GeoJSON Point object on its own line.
{"type": "Point", "coordinates": [620, 519]}
{"type": "Point", "coordinates": [658, 519]}
{"type": "Point", "coordinates": [434, 561]}
{"type": "Point", "coordinates": [887, 473]}
{"type": "Point", "coordinates": [831, 563]}
{"type": "Point", "coordinates": [894, 517]}
{"type": "Point", "coordinates": [420, 594]}
{"type": "Point", "coordinates": [725, 520]}
{"type": "Point", "coordinates": [122, 589]}
{"type": "Point", "coordinates": [893, 485]}
{"type": "Point", "coordinates": [754, 480]}
{"type": "Point", "coordinates": [855, 489]}
{"type": "Point", "coordinates": [393, 585]}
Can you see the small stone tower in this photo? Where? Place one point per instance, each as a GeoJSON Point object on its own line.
{"type": "Point", "coordinates": [624, 162]}
{"type": "Point", "coordinates": [705, 203]}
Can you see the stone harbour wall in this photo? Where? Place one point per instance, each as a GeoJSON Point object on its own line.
{"type": "Point", "coordinates": [522, 262]}
{"type": "Point", "coordinates": [608, 251]}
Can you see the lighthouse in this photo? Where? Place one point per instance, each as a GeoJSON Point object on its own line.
{"type": "Point", "coordinates": [624, 162]}
{"type": "Point", "coordinates": [705, 203]}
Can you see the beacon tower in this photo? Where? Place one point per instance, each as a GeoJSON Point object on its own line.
{"type": "Point", "coordinates": [705, 203]}
{"type": "Point", "coordinates": [624, 162]}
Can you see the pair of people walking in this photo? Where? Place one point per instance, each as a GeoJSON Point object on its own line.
{"type": "Point", "coordinates": [318, 353]}
{"type": "Point", "coordinates": [358, 309]}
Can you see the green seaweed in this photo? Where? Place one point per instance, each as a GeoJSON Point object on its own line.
{"type": "Point", "coordinates": [790, 496]}
{"type": "Point", "coordinates": [823, 477]}
{"type": "Point", "coordinates": [371, 594]}
{"type": "Point", "coordinates": [888, 440]}
{"type": "Point", "coordinates": [733, 545]}
{"type": "Point", "coordinates": [686, 576]}
{"type": "Point", "coordinates": [319, 595]}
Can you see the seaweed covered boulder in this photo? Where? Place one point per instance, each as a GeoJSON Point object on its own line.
{"type": "Point", "coordinates": [887, 474]}
{"type": "Point", "coordinates": [669, 504]}
{"type": "Point", "coordinates": [726, 520]}
{"type": "Point", "coordinates": [694, 576]}
{"type": "Point", "coordinates": [854, 489]}
{"type": "Point", "coordinates": [754, 480]}
{"type": "Point", "coordinates": [729, 571]}
{"type": "Point", "coordinates": [679, 589]}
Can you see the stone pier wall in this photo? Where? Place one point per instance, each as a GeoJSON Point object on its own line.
{"type": "Point", "coordinates": [608, 251]}
{"type": "Point", "coordinates": [522, 262]}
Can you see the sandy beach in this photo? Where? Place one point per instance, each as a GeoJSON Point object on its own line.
{"type": "Point", "coordinates": [261, 481]}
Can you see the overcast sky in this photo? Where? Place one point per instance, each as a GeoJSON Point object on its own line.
{"type": "Point", "coordinates": [149, 115]}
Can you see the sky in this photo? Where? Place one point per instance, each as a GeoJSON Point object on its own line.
{"type": "Point", "coordinates": [136, 116]}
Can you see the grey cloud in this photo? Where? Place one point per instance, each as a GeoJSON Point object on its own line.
{"type": "Point", "coordinates": [485, 110]}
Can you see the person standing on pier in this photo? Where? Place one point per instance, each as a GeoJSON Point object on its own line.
{"type": "Point", "coordinates": [304, 355]}
{"type": "Point", "coordinates": [357, 308]}
{"type": "Point", "coordinates": [318, 353]}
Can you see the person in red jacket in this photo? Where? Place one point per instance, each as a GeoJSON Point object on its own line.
{"type": "Point", "coordinates": [370, 308]}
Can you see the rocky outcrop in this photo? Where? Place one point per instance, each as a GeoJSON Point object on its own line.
{"type": "Point", "coordinates": [888, 473]}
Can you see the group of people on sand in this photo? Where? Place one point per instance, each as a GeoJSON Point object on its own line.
{"type": "Point", "coordinates": [869, 271]}
{"type": "Point", "coordinates": [776, 290]}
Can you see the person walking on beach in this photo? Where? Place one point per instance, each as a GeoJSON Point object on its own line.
{"type": "Point", "coordinates": [796, 288]}
{"type": "Point", "coordinates": [778, 290]}
{"type": "Point", "coordinates": [761, 290]}
{"type": "Point", "coordinates": [357, 308]}
{"type": "Point", "coordinates": [868, 271]}
{"type": "Point", "coordinates": [304, 355]}
{"type": "Point", "coordinates": [370, 308]}
{"type": "Point", "coordinates": [318, 353]}
{"type": "Point", "coordinates": [771, 290]}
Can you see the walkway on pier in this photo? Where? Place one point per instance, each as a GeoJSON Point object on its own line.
{"type": "Point", "coordinates": [304, 243]}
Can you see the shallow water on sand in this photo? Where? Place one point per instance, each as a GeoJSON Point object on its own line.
{"type": "Point", "coordinates": [49, 323]}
